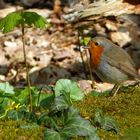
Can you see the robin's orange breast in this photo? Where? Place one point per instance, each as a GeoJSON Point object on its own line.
{"type": "Point", "coordinates": [95, 55]}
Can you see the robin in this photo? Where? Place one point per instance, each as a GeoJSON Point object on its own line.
{"type": "Point", "coordinates": [110, 62]}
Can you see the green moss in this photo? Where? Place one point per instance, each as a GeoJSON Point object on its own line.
{"type": "Point", "coordinates": [10, 130]}
{"type": "Point", "coordinates": [124, 108]}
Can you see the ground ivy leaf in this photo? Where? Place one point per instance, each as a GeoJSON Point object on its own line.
{"type": "Point", "coordinates": [75, 125]}
{"type": "Point", "coordinates": [99, 118]}
{"type": "Point", "coordinates": [51, 134]}
{"type": "Point", "coordinates": [61, 102]}
{"type": "Point", "coordinates": [93, 137]}
{"type": "Point", "coordinates": [105, 122]}
{"type": "Point", "coordinates": [46, 100]}
{"type": "Point", "coordinates": [6, 88]}
{"type": "Point", "coordinates": [12, 114]}
{"type": "Point", "coordinates": [110, 124]}
{"type": "Point", "coordinates": [67, 86]}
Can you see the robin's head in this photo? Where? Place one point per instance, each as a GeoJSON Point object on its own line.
{"type": "Point", "coordinates": [96, 46]}
{"type": "Point", "coordinates": [100, 43]}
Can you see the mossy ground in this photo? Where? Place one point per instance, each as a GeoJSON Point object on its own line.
{"type": "Point", "coordinates": [124, 108]}
{"type": "Point", "coordinates": [11, 130]}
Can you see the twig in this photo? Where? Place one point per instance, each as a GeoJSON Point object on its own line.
{"type": "Point", "coordinates": [81, 54]}
{"type": "Point", "coordinates": [90, 70]}
{"type": "Point", "coordinates": [27, 70]}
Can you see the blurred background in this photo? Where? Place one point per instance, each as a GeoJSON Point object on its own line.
{"type": "Point", "coordinates": [52, 53]}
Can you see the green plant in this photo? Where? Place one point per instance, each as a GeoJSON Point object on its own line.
{"type": "Point", "coordinates": [55, 111]}
{"type": "Point", "coordinates": [105, 122]}
{"type": "Point", "coordinates": [20, 19]}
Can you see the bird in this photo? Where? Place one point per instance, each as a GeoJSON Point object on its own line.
{"type": "Point", "coordinates": [110, 62]}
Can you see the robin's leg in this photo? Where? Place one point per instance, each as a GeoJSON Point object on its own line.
{"type": "Point", "coordinates": [137, 83]}
{"type": "Point", "coordinates": [115, 89]}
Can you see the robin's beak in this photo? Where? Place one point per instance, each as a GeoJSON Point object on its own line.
{"type": "Point", "coordinates": [85, 47]}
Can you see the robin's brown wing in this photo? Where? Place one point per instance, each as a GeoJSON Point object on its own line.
{"type": "Point", "coordinates": [120, 59]}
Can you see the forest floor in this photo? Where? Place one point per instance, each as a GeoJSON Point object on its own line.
{"type": "Point", "coordinates": [53, 54]}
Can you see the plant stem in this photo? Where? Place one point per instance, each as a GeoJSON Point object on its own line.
{"type": "Point", "coordinates": [39, 97]}
{"type": "Point", "coordinates": [27, 70]}
{"type": "Point", "coordinates": [90, 70]}
{"type": "Point", "coordinates": [81, 54]}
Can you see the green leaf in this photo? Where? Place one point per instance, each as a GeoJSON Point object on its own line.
{"type": "Point", "coordinates": [51, 134]}
{"type": "Point", "coordinates": [110, 124]}
{"type": "Point", "coordinates": [38, 99]}
{"type": "Point", "coordinates": [3, 107]}
{"type": "Point", "coordinates": [12, 114]}
{"type": "Point", "coordinates": [17, 113]}
{"type": "Point", "coordinates": [99, 118]}
{"type": "Point", "coordinates": [64, 86]}
{"type": "Point", "coordinates": [43, 118]}
{"type": "Point", "coordinates": [93, 137]}
{"type": "Point", "coordinates": [23, 96]}
{"type": "Point", "coordinates": [6, 88]}
{"type": "Point", "coordinates": [62, 102]}
{"type": "Point", "coordinates": [75, 125]}
{"type": "Point", "coordinates": [105, 122]}
{"type": "Point", "coordinates": [15, 19]}
{"type": "Point", "coordinates": [22, 112]}
{"type": "Point", "coordinates": [85, 40]}
{"type": "Point", "coordinates": [46, 100]}
{"type": "Point", "coordinates": [34, 18]}
{"type": "Point", "coordinates": [12, 20]}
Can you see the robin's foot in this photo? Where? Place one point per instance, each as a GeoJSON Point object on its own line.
{"type": "Point", "coordinates": [115, 90]}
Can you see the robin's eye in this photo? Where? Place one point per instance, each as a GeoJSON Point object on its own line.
{"type": "Point", "coordinates": [96, 43]}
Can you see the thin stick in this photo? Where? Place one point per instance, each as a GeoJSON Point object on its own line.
{"type": "Point", "coordinates": [81, 54]}
{"type": "Point", "coordinates": [26, 65]}
{"type": "Point", "coordinates": [90, 70]}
